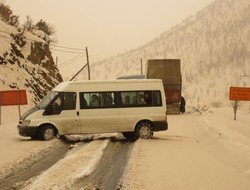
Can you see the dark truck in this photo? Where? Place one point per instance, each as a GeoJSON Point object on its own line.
{"type": "Point", "coordinates": [169, 71]}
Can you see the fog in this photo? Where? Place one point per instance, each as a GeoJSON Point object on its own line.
{"type": "Point", "coordinates": [108, 27]}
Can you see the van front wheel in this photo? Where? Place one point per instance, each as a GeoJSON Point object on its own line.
{"type": "Point", "coordinates": [144, 130]}
{"type": "Point", "coordinates": [47, 132]}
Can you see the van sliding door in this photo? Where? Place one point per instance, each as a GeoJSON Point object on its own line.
{"type": "Point", "coordinates": [98, 112]}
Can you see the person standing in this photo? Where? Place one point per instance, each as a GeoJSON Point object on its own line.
{"type": "Point", "coordinates": [182, 105]}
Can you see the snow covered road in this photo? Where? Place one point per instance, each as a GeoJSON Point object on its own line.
{"type": "Point", "coordinates": [203, 149]}
{"type": "Point", "coordinates": [199, 151]}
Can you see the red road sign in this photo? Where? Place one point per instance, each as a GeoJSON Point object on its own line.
{"type": "Point", "coordinates": [10, 97]}
{"type": "Point", "coordinates": [239, 93]}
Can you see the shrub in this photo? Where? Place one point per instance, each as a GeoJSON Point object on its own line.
{"type": "Point", "coordinates": [7, 16]}
{"type": "Point", "coordinates": [45, 27]}
{"type": "Point", "coordinates": [5, 12]}
{"type": "Point", "coordinates": [48, 29]}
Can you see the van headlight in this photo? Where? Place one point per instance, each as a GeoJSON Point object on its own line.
{"type": "Point", "coordinates": [26, 122]}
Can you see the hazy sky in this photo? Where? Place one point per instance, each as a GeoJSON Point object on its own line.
{"type": "Point", "coordinates": [106, 27]}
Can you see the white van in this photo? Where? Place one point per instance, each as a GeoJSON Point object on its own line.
{"type": "Point", "coordinates": [136, 108]}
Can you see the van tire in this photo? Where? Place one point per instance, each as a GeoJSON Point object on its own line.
{"type": "Point", "coordinates": [47, 132]}
{"type": "Point", "coordinates": [144, 130]}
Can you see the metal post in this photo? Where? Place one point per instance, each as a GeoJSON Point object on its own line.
{"type": "Point", "coordinates": [18, 102]}
{"type": "Point", "coordinates": [0, 105]}
{"type": "Point", "coordinates": [235, 108]}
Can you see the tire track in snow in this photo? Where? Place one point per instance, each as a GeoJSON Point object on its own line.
{"type": "Point", "coordinates": [109, 173]}
{"type": "Point", "coordinates": [78, 163]}
{"type": "Point", "coordinates": [33, 166]}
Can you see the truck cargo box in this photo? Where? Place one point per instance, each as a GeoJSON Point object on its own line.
{"type": "Point", "coordinates": [169, 71]}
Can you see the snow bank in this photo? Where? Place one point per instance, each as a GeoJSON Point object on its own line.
{"type": "Point", "coordinates": [232, 134]}
{"type": "Point", "coordinates": [79, 162]}
{"type": "Point", "coordinates": [17, 151]}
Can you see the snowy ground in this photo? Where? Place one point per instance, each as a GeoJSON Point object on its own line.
{"type": "Point", "coordinates": [203, 149]}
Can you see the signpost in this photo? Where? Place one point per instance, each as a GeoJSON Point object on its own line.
{"type": "Point", "coordinates": [13, 97]}
{"type": "Point", "coordinates": [239, 94]}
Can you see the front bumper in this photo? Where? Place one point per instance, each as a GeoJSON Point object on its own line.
{"type": "Point", "coordinates": [160, 125]}
{"type": "Point", "coordinates": [27, 131]}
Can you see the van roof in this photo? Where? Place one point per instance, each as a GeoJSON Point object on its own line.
{"type": "Point", "coordinates": [65, 85]}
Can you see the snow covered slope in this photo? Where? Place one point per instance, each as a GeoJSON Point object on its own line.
{"type": "Point", "coordinates": [214, 48]}
{"type": "Point", "coordinates": [26, 62]}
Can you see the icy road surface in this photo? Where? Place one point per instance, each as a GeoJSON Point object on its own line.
{"type": "Point", "coordinates": [203, 149]}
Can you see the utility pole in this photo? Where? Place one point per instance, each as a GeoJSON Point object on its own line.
{"type": "Point", "coordinates": [86, 65]}
{"type": "Point", "coordinates": [87, 55]}
{"type": "Point", "coordinates": [141, 67]}
{"type": "Point", "coordinates": [55, 67]}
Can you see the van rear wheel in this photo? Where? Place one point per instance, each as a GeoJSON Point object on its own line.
{"type": "Point", "coordinates": [144, 130]}
{"type": "Point", "coordinates": [47, 132]}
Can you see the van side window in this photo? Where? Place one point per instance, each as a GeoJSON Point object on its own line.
{"type": "Point", "coordinates": [83, 101]}
{"type": "Point", "coordinates": [157, 98]}
{"type": "Point", "coordinates": [57, 104]}
{"type": "Point", "coordinates": [90, 100]}
{"type": "Point", "coordinates": [62, 101]}
{"type": "Point", "coordinates": [69, 101]}
{"type": "Point", "coordinates": [94, 100]}
{"type": "Point", "coordinates": [136, 99]}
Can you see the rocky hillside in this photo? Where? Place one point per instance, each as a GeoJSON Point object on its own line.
{"type": "Point", "coordinates": [26, 62]}
{"type": "Point", "coordinates": [213, 45]}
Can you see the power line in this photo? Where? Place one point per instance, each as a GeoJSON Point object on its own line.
{"type": "Point", "coordinates": [79, 52]}
{"type": "Point", "coordinates": [68, 47]}
{"type": "Point", "coordinates": [71, 48]}
{"type": "Point", "coordinates": [74, 59]}
{"type": "Point", "coordinates": [51, 48]}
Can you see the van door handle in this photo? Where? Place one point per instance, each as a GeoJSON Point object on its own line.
{"type": "Point", "coordinates": [77, 113]}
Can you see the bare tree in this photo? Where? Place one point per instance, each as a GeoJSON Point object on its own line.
{"type": "Point", "coordinates": [28, 25]}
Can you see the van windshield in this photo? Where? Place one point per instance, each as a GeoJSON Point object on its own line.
{"type": "Point", "coordinates": [50, 97]}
